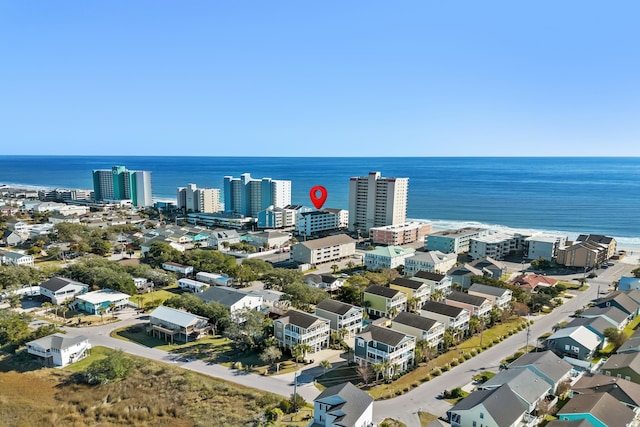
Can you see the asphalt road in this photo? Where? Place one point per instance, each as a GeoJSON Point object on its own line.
{"type": "Point", "coordinates": [403, 408]}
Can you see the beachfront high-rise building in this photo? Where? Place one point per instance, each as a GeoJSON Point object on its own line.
{"type": "Point", "coordinates": [119, 183]}
{"type": "Point", "coordinates": [194, 199]}
{"type": "Point", "coordinates": [248, 196]}
{"type": "Point", "coordinates": [375, 201]}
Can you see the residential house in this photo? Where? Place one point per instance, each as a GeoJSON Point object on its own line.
{"type": "Point", "coordinates": [297, 327]}
{"type": "Point", "coordinates": [625, 365]}
{"type": "Point", "coordinates": [400, 234]}
{"type": "Point", "coordinates": [179, 269]}
{"type": "Point", "coordinates": [632, 345]}
{"type": "Point", "coordinates": [60, 289]}
{"type": "Point", "coordinates": [613, 315]}
{"type": "Point", "coordinates": [490, 267]}
{"type": "Point", "coordinates": [600, 409]}
{"type": "Point", "coordinates": [192, 285]}
{"type": "Point", "coordinates": [417, 291]}
{"type": "Point", "coordinates": [376, 344]}
{"type": "Point", "coordinates": [597, 325]}
{"type": "Point", "coordinates": [500, 407]}
{"type": "Point", "coordinates": [634, 294]}
{"type": "Point", "coordinates": [171, 324]}
{"type": "Point", "coordinates": [342, 405]}
{"type": "Point", "coordinates": [269, 239]}
{"type": "Point", "coordinates": [424, 329]}
{"type": "Point", "coordinates": [499, 297]}
{"type": "Point", "coordinates": [624, 391]}
{"type": "Point", "coordinates": [531, 282]}
{"type": "Point", "coordinates": [387, 257]}
{"type": "Point", "coordinates": [621, 301]}
{"type": "Point", "coordinates": [432, 261]}
{"type": "Point", "coordinates": [453, 241]}
{"type": "Point", "coordinates": [526, 384]}
{"type": "Point", "coordinates": [463, 275]}
{"type": "Point", "coordinates": [450, 316]}
{"type": "Point", "coordinates": [478, 306]}
{"type": "Point", "coordinates": [629, 283]}
{"type": "Point", "coordinates": [102, 301]}
{"type": "Point", "coordinates": [15, 258]}
{"type": "Point", "coordinates": [577, 342]}
{"type": "Point", "coordinates": [341, 316]}
{"type": "Point", "coordinates": [545, 364]}
{"type": "Point", "coordinates": [13, 238]}
{"type": "Point", "coordinates": [440, 284]}
{"type": "Point", "coordinates": [236, 300]}
{"type": "Point", "coordinates": [59, 349]}
{"type": "Point", "coordinates": [380, 301]}
{"type": "Point", "coordinates": [213, 279]}
{"type": "Point", "coordinates": [221, 237]}
{"type": "Point", "coordinates": [323, 250]}
{"type": "Point", "coordinates": [324, 281]}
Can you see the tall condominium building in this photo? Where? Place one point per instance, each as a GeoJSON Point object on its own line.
{"type": "Point", "coordinates": [248, 196]}
{"type": "Point", "coordinates": [194, 199]}
{"type": "Point", "coordinates": [375, 201]}
{"type": "Point", "coordinates": [119, 183]}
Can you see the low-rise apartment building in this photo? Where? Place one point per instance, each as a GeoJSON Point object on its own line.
{"type": "Point", "coordinates": [496, 245]}
{"type": "Point", "coordinates": [387, 257]}
{"type": "Point", "coordinates": [400, 234]}
{"type": "Point", "coordinates": [326, 249]}
{"type": "Point", "coordinates": [453, 241]}
{"type": "Point", "coordinates": [432, 261]}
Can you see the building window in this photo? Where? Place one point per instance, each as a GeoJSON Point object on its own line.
{"type": "Point", "coordinates": [481, 415]}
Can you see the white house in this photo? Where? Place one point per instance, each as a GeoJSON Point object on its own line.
{"type": "Point", "coordinates": [192, 285]}
{"type": "Point", "coordinates": [342, 405]}
{"type": "Point", "coordinates": [213, 279]}
{"type": "Point", "coordinates": [59, 349]}
{"type": "Point", "coordinates": [236, 300]}
{"type": "Point", "coordinates": [15, 258]}
{"type": "Point", "coordinates": [60, 289]}
{"type": "Point", "coordinates": [432, 261]}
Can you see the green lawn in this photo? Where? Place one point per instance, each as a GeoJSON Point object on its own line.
{"type": "Point", "coordinates": [96, 353]}
{"type": "Point", "coordinates": [204, 348]}
{"type": "Point", "coordinates": [339, 375]}
{"type": "Point", "coordinates": [154, 298]}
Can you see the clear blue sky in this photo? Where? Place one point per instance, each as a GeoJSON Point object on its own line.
{"type": "Point", "coordinates": [324, 78]}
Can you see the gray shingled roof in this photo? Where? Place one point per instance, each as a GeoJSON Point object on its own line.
{"type": "Point", "coordinates": [429, 275]}
{"type": "Point", "coordinates": [348, 399]}
{"type": "Point", "coordinates": [383, 335]}
{"type": "Point", "coordinates": [502, 403]}
{"type": "Point", "coordinates": [612, 313]}
{"type": "Point", "coordinates": [440, 308]}
{"type": "Point", "coordinates": [596, 323]}
{"type": "Point", "coordinates": [222, 295]}
{"type": "Point", "coordinates": [488, 290]}
{"type": "Point", "coordinates": [56, 283]}
{"type": "Point", "coordinates": [382, 291]}
{"type": "Point", "coordinates": [414, 321]}
{"type": "Point", "coordinates": [603, 406]}
{"type": "Point", "coordinates": [624, 360]}
{"type": "Point", "coordinates": [333, 306]}
{"type": "Point", "coordinates": [632, 345]}
{"type": "Point", "coordinates": [572, 423]}
{"type": "Point", "coordinates": [627, 304]}
{"type": "Point", "coordinates": [464, 298]}
{"type": "Point", "coordinates": [301, 319]}
{"type": "Point", "coordinates": [621, 389]}
{"type": "Point", "coordinates": [408, 283]}
{"type": "Point", "coordinates": [546, 362]}
{"type": "Point", "coordinates": [524, 382]}
{"type": "Point", "coordinates": [58, 341]}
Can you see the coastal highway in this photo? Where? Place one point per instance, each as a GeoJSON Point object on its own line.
{"type": "Point", "coordinates": [403, 408]}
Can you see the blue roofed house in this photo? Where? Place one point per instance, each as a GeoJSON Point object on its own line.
{"type": "Point", "coordinates": [629, 283]}
{"type": "Point", "coordinates": [342, 405]}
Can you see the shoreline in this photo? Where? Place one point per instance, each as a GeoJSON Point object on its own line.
{"type": "Point", "coordinates": [624, 242]}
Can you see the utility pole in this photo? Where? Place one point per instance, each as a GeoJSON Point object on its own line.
{"type": "Point", "coordinates": [295, 389]}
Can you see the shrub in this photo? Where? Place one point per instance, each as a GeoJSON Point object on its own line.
{"type": "Point", "coordinates": [436, 372]}
{"type": "Point", "coordinates": [425, 379]}
{"type": "Point", "coordinates": [454, 362]}
{"type": "Point", "coordinates": [445, 368]}
{"type": "Point", "coordinates": [474, 352]}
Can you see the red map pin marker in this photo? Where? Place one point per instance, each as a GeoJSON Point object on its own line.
{"type": "Point", "coordinates": [318, 200]}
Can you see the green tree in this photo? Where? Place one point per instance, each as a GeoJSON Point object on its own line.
{"type": "Point", "coordinates": [14, 327]}
{"type": "Point", "coordinates": [326, 365]}
{"type": "Point", "coordinates": [334, 268]}
{"type": "Point", "coordinates": [115, 366]}
{"type": "Point", "coordinates": [616, 337]}
{"type": "Point", "coordinates": [270, 355]}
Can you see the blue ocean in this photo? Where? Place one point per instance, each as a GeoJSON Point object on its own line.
{"type": "Point", "coordinates": [567, 195]}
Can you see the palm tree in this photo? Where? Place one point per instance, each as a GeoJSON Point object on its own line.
{"type": "Point", "coordinates": [437, 295]}
{"type": "Point", "coordinates": [393, 312]}
{"type": "Point", "coordinates": [47, 306]}
{"type": "Point", "coordinates": [325, 365]}
{"type": "Point", "coordinates": [386, 370]}
{"type": "Point", "coordinates": [112, 309]}
{"type": "Point", "coordinates": [130, 251]}
{"type": "Point", "coordinates": [63, 311]}
{"type": "Point", "coordinates": [378, 367]}
{"type": "Point", "coordinates": [335, 268]}
{"type": "Point", "coordinates": [100, 311]}
{"type": "Point", "coordinates": [413, 303]}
